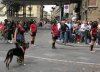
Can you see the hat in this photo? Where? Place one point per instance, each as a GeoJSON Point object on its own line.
{"type": "Point", "coordinates": [53, 21]}
{"type": "Point", "coordinates": [95, 24]}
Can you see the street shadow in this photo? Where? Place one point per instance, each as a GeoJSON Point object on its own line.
{"type": "Point", "coordinates": [97, 51]}
{"type": "Point", "coordinates": [16, 66]}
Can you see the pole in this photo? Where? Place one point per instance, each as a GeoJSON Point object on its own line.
{"type": "Point", "coordinates": [61, 11]}
{"type": "Point", "coordinates": [30, 10]}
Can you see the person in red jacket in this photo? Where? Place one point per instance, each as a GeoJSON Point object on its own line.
{"type": "Point", "coordinates": [33, 30]}
{"type": "Point", "coordinates": [93, 35]}
{"type": "Point", "coordinates": [54, 32]}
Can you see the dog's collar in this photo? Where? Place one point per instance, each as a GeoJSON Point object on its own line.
{"type": "Point", "coordinates": [22, 49]}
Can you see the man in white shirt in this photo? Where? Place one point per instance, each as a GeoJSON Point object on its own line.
{"type": "Point", "coordinates": [82, 29]}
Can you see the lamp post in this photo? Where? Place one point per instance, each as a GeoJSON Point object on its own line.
{"type": "Point", "coordinates": [61, 10]}
{"type": "Point", "coordinates": [30, 9]}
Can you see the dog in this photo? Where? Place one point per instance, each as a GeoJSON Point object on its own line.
{"type": "Point", "coordinates": [19, 52]}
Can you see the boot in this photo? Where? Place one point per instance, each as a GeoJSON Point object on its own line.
{"type": "Point", "coordinates": [91, 48]}
{"type": "Point", "coordinates": [53, 45]}
{"type": "Point", "coordinates": [32, 42]}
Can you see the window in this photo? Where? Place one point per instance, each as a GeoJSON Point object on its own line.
{"type": "Point", "coordinates": [92, 3]}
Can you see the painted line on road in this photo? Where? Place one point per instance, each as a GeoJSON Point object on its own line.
{"type": "Point", "coordinates": [54, 60]}
{"type": "Point", "coordinates": [64, 61]}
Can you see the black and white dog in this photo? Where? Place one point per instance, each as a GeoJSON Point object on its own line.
{"type": "Point", "coordinates": [19, 52]}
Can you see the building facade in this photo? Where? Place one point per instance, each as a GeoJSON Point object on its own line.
{"type": "Point", "coordinates": [68, 11]}
{"type": "Point", "coordinates": [90, 10]}
{"type": "Point", "coordinates": [33, 11]}
{"type": "Point", "coordinates": [55, 13]}
{"type": "Point", "coordinates": [45, 14]}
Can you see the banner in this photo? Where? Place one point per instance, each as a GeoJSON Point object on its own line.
{"type": "Point", "coordinates": [66, 8]}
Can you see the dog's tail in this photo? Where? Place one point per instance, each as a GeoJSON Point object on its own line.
{"type": "Point", "coordinates": [5, 60]}
{"type": "Point", "coordinates": [7, 56]}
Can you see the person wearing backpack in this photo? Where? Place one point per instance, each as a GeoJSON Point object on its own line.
{"type": "Point", "coordinates": [33, 30]}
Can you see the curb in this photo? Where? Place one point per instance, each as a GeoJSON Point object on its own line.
{"type": "Point", "coordinates": [77, 45]}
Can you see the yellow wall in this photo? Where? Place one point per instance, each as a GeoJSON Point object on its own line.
{"type": "Point", "coordinates": [35, 12]}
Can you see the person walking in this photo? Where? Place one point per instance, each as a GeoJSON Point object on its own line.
{"type": "Point", "coordinates": [93, 33]}
{"type": "Point", "coordinates": [10, 32]}
{"type": "Point", "coordinates": [54, 32]}
{"type": "Point", "coordinates": [33, 30]}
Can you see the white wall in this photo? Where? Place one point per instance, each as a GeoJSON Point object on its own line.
{"type": "Point", "coordinates": [3, 18]}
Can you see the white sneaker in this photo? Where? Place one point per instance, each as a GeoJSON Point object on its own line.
{"type": "Point", "coordinates": [10, 42]}
{"type": "Point", "coordinates": [58, 40]}
{"type": "Point", "coordinates": [24, 64]}
{"type": "Point", "coordinates": [33, 45]}
{"type": "Point", "coordinates": [92, 51]}
{"type": "Point", "coordinates": [96, 43]}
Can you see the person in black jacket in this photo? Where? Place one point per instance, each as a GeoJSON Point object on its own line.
{"type": "Point", "coordinates": [63, 31]}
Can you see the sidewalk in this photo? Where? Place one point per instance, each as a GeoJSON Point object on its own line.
{"type": "Point", "coordinates": [77, 44]}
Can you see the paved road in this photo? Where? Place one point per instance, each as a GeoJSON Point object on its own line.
{"type": "Point", "coordinates": [42, 58]}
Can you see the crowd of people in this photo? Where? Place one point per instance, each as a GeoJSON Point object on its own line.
{"type": "Point", "coordinates": [65, 31]}
{"type": "Point", "coordinates": [77, 31]}
{"type": "Point", "coordinates": [13, 32]}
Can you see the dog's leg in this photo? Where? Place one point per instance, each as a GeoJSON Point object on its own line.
{"type": "Point", "coordinates": [22, 60]}
{"type": "Point", "coordinates": [6, 61]}
{"type": "Point", "coordinates": [9, 61]}
{"type": "Point", "coordinates": [19, 60]}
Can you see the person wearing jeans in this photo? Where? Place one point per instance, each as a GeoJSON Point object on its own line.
{"type": "Point", "coordinates": [19, 35]}
{"type": "Point", "coordinates": [68, 25]}
{"type": "Point", "coordinates": [87, 33]}
{"type": "Point", "coordinates": [82, 29]}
